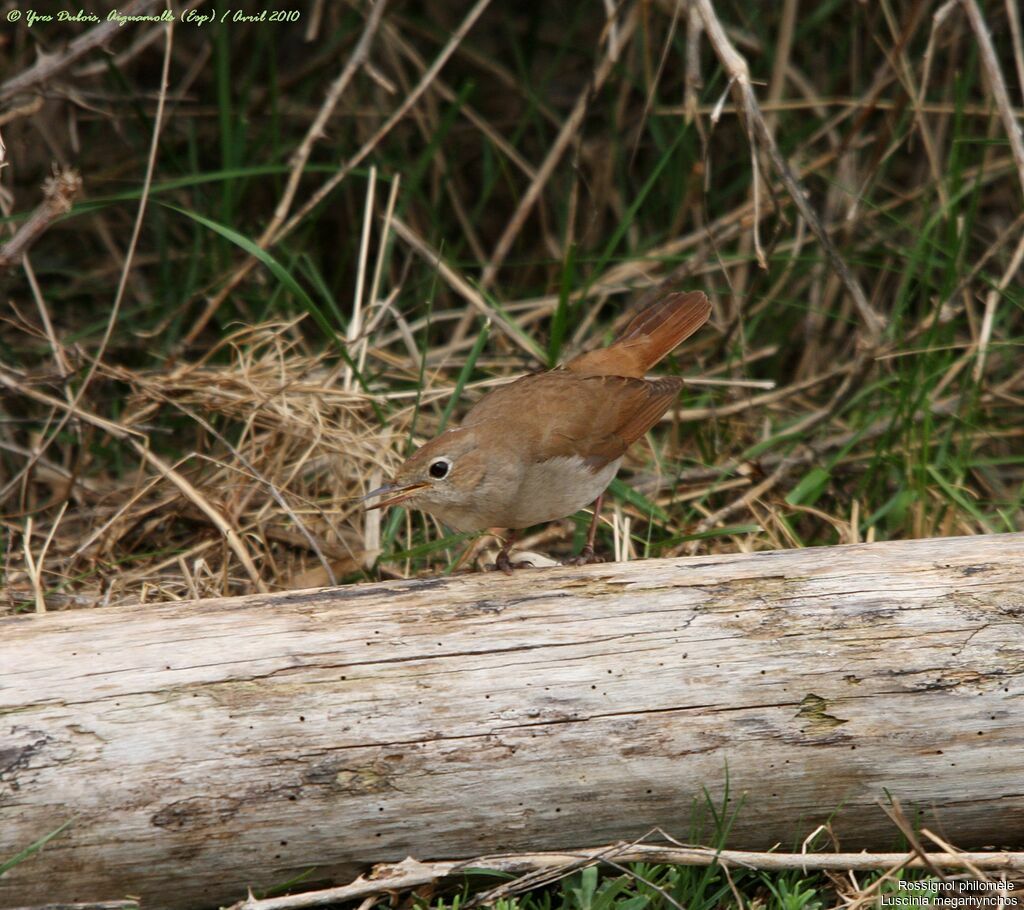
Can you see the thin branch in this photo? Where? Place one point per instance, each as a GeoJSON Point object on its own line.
{"type": "Point", "coordinates": [133, 438]}
{"type": "Point", "coordinates": [899, 818]}
{"type": "Point", "coordinates": [782, 50]}
{"type": "Point", "coordinates": [35, 566]}
{"type": "Point", "coordinates": [407, 103]}
{"type": "Point", "coordinates": [997, 84]}
{"type": "Point", "coordinates": [28, 109]}
{"type": "Point", "coordinates": [692, 81]}
{"type": "Point", "coordinates": [49, 65]}
{"type": "Point", "coordinates": [445, 92]}
{"type": "Point", "coordinates": [297, 163]}
{"type": "Point", "coordinates": [355, 323]}
{"type": "Point", "coordinates": [410, 873]}
{"type": "Point", "coordinates": [903, 70]}
{"type": "Point", "coordinates": [736, 67]}
{"type": "Point", "coordinates": [193, 495]}
{"type": "Point", "coordinates": [329, 185]}
{"type": "Point", "coordinates": [59, 192]}
{"type": "Point", "coordinates": [1013, 15]}
{"type": "Point", "coordinates": [122, 284]}
{"type": "Point", "coordinates": [316, 129]}
{"type": "Point", "coordinates": [991, 303]}
{"type": "Point", "coordinates": [555, 153]}
{"type": "Point", "coordinates": [463, 288]}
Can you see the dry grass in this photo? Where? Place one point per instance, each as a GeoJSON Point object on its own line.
{"type": "Point", "coordinates": [282, 257]}
{"type": "Point", "coordinates": [285, 480]}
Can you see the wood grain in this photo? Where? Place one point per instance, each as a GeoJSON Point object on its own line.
{"type": "Point", "coordinates": [205, 747]}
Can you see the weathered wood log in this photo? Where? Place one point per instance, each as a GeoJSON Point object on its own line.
{"type": "Point", "coordinates": [204, 747]}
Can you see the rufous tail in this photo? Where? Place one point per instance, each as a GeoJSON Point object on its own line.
{"type": "Point", "coordinates": [653, 332]}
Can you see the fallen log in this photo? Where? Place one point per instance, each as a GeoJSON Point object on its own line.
{"type": "Point", "coordinates": [201, 748]}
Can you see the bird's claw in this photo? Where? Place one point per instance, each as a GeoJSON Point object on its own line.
{"type": "Point", "coordinates": [587, 557]}
{"type": "Point", "coordinates": [504, 563]}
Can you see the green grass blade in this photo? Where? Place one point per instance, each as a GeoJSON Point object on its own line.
{"type": "Point", "coordinates": [621, 490]}
{"type": "Point", "coordinates": [31, 849]}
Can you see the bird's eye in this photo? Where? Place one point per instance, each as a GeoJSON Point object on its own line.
{"type": "Point", "coordinates": [439, 469]}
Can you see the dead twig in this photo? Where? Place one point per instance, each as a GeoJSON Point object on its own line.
{"type": "Point", "coordinates": [410, 873]}
{"type": "Point", "coordinates": [14, 113]}
{"type": "Point", "coordinates": [59, 192]}
{"type": "Point", "coordinates": [129, 257]}
{"type": "Point", "coordinates": [991, 303]}
{"type": "Point", "coordinates": [736, 67]}
{"type": "Point", "coordinates": [141, 448]}
{"type": "Point", "coordinates": [463, 288]}
{"type": "Point", "coordinates": [900, 820]}
{"type": "Point", "coordinates": [997, 84]}
{"type": "Point", "coordinates": [49, 65]}
{"type": "Point", "coordinates": [299, 158]}
{"type": "Point", "coordinates": [33, 566]}
{"type": "Point", "coordinates": [329, 185]}
{"type": "Point", "coordinates": [555, 153]}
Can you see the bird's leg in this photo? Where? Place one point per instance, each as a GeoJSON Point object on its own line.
{"type": "Point", "coordinates": [588, 550]}
{"type": "Point", "coordinates": [587, 555]}
{"type": "Point", "coordinates": [503, 560]}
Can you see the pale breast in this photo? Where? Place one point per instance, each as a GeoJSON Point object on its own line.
{"type": "Point", "coordinates": [554, 489]}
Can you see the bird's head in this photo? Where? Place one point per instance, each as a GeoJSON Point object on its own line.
{"type": "Point", "coordinates": [440, 476]}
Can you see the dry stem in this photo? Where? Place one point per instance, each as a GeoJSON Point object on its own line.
{"type": "Point", "coordinates": [49, 65]}
{"type": "Point", "coordinates": [328, 186]}
{"type": "Point", "coordinates": [739, 73]}
{"type": "Point", "coordinates": [59, 192]}
{"type": "Point", "coordinates": [410, 873]}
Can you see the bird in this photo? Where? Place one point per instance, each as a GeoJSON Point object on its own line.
{"type": "Point", "coordinates": [542, 447]}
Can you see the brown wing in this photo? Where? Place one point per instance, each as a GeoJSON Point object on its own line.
{"type": "Point", "coordinates": [562, 413]}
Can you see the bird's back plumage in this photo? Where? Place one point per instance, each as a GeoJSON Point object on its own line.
{"type": "Point", "coordinates": [599, 403]}
{"type": "Point", "coordinates": [596, 417]}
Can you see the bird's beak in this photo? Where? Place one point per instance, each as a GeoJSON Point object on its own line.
{"type": "Point", "coordinates": [401, 491]}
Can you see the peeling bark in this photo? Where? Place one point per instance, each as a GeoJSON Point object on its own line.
{"type": "Point", "coordinates": [205, 747]}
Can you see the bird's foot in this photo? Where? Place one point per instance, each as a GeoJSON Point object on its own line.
{"type": "Point", "coordinates": [587, 557]}
{"type": "Point", "coordinates": [503, 563]}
